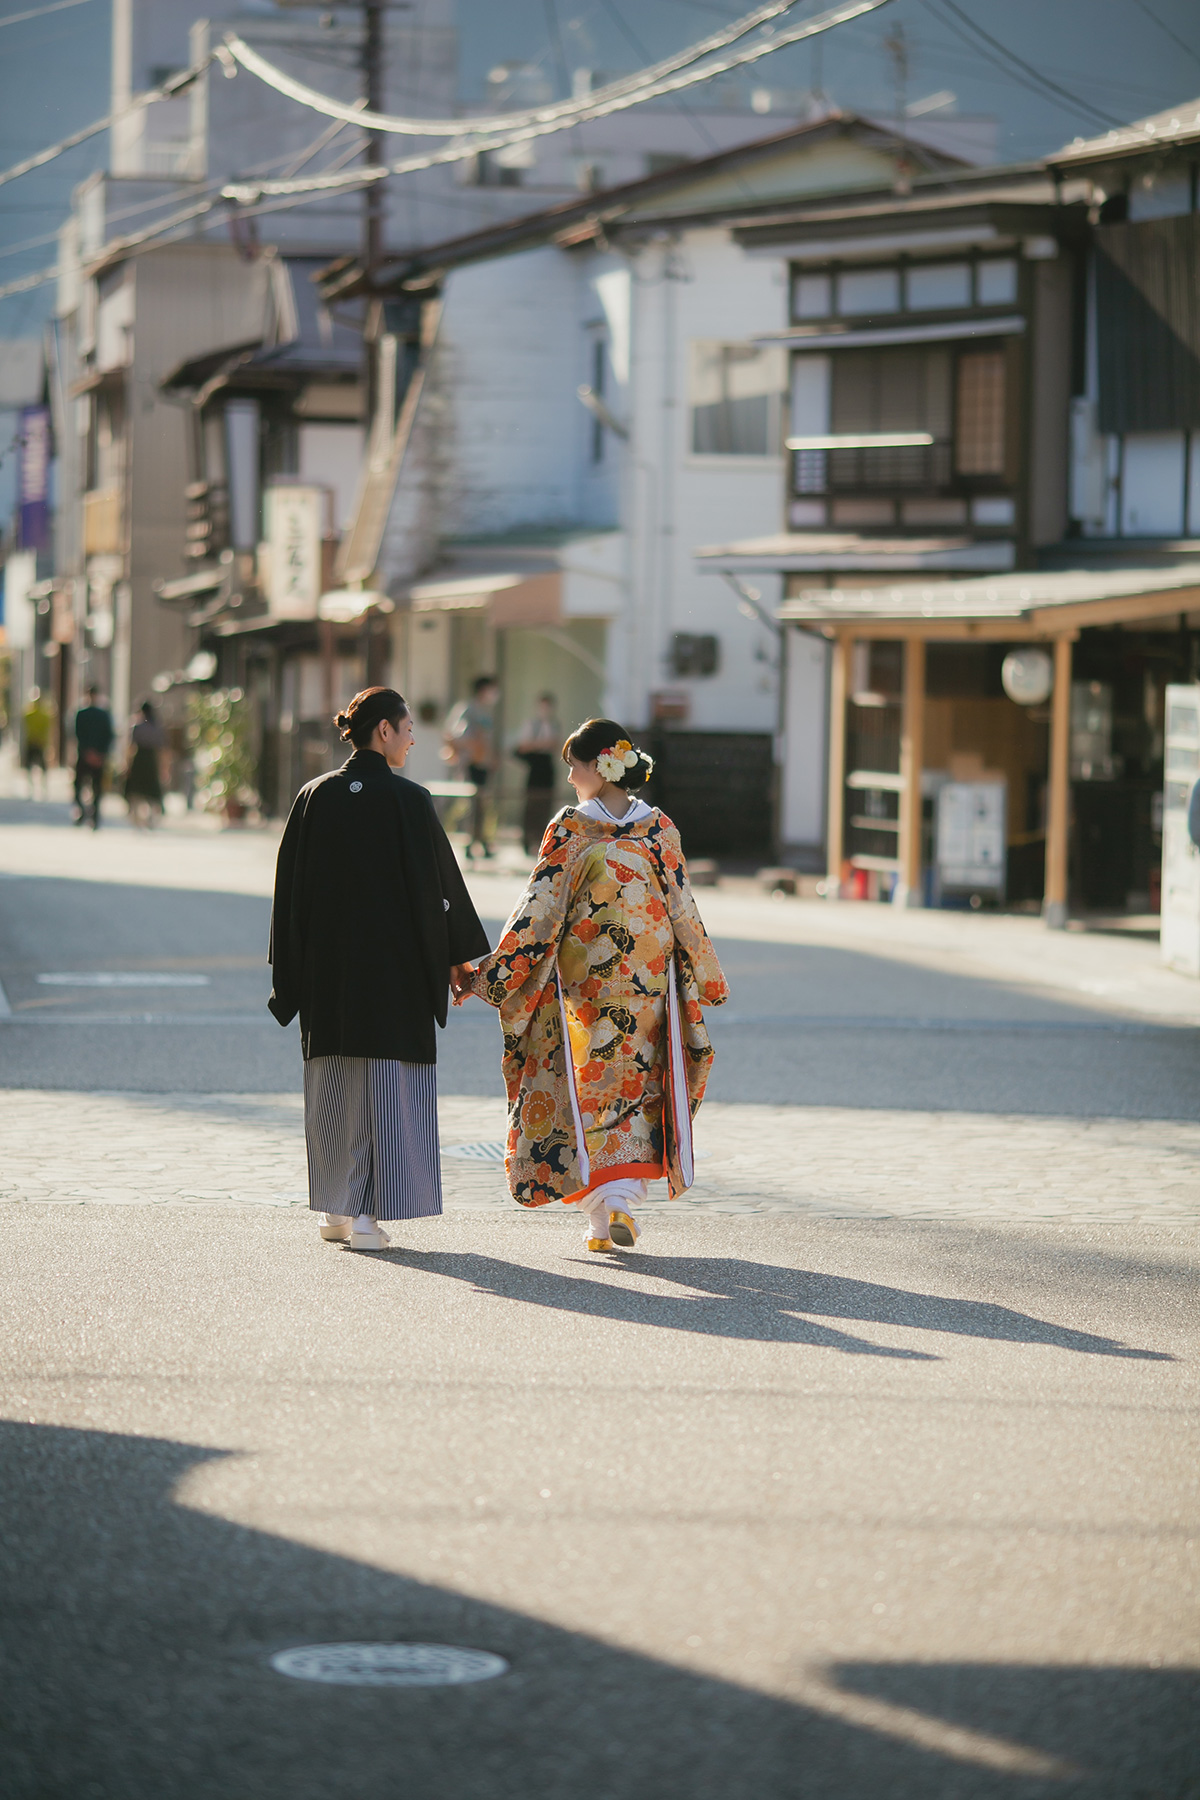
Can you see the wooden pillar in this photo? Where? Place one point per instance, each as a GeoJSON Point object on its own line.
{"type": "Point", "coordinates": [909, 890]}
{"type": "Point", "coordinates": [835, 830]}
{"type": "Point", "coordinates": [1058, 793]}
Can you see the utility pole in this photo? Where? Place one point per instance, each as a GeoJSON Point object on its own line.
{"type": "Point", "coordinates": [896, 45]}
{"type": "Point", "coordinates": [373, 88]}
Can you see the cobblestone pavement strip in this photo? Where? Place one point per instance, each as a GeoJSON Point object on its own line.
{"type": "Point", "coordinates": [840, 1162]}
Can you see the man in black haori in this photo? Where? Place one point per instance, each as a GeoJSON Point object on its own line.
{"type": "Point", "coordinates": [372, 925]}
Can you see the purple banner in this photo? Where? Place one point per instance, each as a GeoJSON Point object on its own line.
{"type": "Point", "coordinates": [33, 478]}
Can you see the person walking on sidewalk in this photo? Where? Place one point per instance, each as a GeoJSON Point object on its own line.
{"type": "Point", "coordinates": [37, 728]}
{"type": "Point", "coordinates": [143, 779]}
{"type": "Point", "coordinates": [599, 980]}
{"type": "Point", "coordinates": [537, 747]}
{"type": "Point", "coordinates": [372, 923]}
{"type": "Point", "coordinates": [471, 743]}
{"type": "Point", "coordinates": [94, 734]}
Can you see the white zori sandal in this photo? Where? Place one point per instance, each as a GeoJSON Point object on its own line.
{"type": "Point", "coordinates": [366, 1234]}
{"type": "Point", "coordinates": [335, 1227]}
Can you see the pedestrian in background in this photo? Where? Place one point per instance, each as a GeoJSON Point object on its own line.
{"type": "Point", "coordinates": [143, 778]}
{"type": "Point", "coordinates": [537, 747]}
{"type": "Point", "coordinates": [470, 742]}
{"type": "Point", "coordinates": [371, 924]}
{"type": "Point", "coordinates": [94, 733]}
{"type": "Point", "coordinates": [605, 958]}
{"type": "Point", "coordinates": [37, 726]}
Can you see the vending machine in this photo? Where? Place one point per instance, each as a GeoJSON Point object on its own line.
{"type": "Point", "coordinates": [1181, 857]}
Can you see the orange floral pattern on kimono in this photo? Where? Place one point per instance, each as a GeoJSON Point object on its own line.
{"type": "Point", "coordinates": [605, 924]}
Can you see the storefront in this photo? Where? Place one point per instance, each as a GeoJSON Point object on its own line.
{"type": "Point", "coordinates": [960, 767]}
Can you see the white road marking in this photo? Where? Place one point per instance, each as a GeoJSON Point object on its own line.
{"type": "Point", "coordinates": [117, 978]}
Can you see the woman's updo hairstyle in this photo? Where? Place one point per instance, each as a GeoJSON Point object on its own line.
{"type": "Point", "coordinates": [596, 737]}
{"type": "Point", "coordinates": [366, 711]}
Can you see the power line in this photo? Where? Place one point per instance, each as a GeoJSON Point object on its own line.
{"type": "Point", "coordinates": [24, 282]}
{"type": "Point", "coordinates": [258, 65]}
{"type": "Point", "coordinates": [639, 50]}
{"type": "Point", "coordinates": [39, 12]}
{"type": "Point", "coordinates": [294, 161]}
{"type": "Point", "coordinates": [1166, 29]}
{"type": "Point", "coordinates": [1026, 69]}
{"type": "Point", "coordinates": [250, 197]}
{"type": "Point", "coordinates": [596, 108]}
{"type": "Point", "coordinates": [168, 89]}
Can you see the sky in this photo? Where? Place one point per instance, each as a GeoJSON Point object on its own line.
{"type": "Point", "coordinates": [1115, 60]}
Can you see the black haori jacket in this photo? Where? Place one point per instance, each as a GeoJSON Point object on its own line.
{"type": "Point", "coordinates": [370, 912]}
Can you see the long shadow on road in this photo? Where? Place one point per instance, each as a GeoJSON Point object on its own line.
{"type": "Point", "coordinates": [763, 1302]}
{"type": "Point", "coordinates": [137, 1634]}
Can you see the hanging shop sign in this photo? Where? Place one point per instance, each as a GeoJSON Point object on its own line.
{"type": "Point", "coordinates": [20, 573]}
{"type": "Point", "coordinates": [33, 477]}
{"type": "Point", "coordinates": [291, 569]}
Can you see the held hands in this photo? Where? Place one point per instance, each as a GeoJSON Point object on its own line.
{"type": "Point", "coordinates": [460, 981]}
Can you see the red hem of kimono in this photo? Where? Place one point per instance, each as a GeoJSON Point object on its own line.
{"type": "Point", "coordinates": [643, 1171]}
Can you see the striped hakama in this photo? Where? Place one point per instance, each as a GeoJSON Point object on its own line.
{"type": "Point", "coordinates": [371, 1129]}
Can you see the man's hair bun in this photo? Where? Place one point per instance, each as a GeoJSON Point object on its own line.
{"type": "Point", "coordinates": [367, 710]}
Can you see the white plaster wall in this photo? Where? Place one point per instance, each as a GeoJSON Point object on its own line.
{"type": "Point", "coordinates": [605, 313]}
{"type": "Point", "coordinates": [511, 358]}
{"type": "Point", "coordinates": [701, 287]}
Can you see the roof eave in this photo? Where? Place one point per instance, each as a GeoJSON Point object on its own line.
{"type": "Point", "coordinates": [608, 207]}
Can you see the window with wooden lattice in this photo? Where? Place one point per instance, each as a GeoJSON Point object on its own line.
{"type": "Point", "coordinates": [979, 413]}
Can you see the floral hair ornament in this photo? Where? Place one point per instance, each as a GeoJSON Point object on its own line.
{"type": "Point", "coordinates": [615, 763]}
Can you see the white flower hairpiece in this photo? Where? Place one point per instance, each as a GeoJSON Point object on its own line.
{"type": "Point", "coordinates": [616, 762]}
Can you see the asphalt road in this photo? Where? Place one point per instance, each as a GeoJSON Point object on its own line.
{"type": "Point", "coordinates": [807, 1025]}
{"type": "Point", "coordinates": [784, 1508]}
{"type": "Point", "coordinates": [787, 1510]}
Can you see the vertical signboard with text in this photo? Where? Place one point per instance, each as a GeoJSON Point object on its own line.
{"type": "Point", "coordinates": [295, 520]}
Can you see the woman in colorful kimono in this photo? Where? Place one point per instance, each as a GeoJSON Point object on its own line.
{"type": "Point", "coordinates": [606, 956]}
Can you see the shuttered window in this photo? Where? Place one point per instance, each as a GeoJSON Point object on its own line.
{"type": "Point", "coordinates": [900, 389]}
{"type": "Point", "coordinates": [979, 414]}
{"type": "Point", "coordinates": [1148, 324]}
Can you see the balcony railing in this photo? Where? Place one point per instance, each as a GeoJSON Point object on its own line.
{"type": "Point", "coordinates": [924, 468]}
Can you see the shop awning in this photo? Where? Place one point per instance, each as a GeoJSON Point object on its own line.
{"type": "Point", "coordinates": [511, 597]}
{"type": "Point", "coordinates": [799, 551]}
{"type": "Point", "coordinates": [803, 337]}
{"type": "Point", "coordinates": [1025, 604]}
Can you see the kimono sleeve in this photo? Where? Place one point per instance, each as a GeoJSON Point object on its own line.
{"type": "Point", "coordinates": [465, 936]}
{"type": "Point", "coordinates": [285, 952]}
{"type": "Point", "coordinates": [691, 939]}
{"type": "Point", "coordinates": [515, 976]}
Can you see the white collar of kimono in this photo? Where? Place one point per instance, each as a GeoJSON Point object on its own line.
{"type": "Point", "coordinates": [596, 809]}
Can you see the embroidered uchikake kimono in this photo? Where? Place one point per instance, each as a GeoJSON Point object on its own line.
{"type": "Point", "coordinates": [605, 954]}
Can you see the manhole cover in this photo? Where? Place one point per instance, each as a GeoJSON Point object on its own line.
{"type": "Point", "coordinates": [388, 1665]}
{"type": "Point", "coordinates": [489, 1153]}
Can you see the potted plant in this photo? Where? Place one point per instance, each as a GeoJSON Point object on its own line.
{"type": "Point", "coordinates": [219, 735]}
